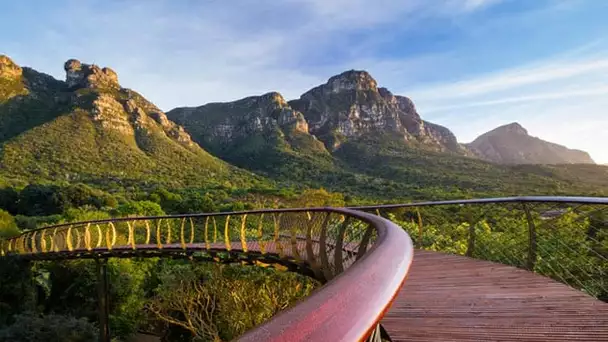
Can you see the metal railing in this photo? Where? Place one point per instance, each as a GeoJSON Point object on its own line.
{"type": "Point", "coordinates": [361, 258]}
{"type": "Point", "coordinates": [565, 238]}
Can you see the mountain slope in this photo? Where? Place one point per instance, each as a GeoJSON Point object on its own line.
{"type": "Point", "coordinates": [261, 133]}
{"type": "Point", "coordinates": [511, 144]}
{"type": "Point", "coordinates": [89, 128]}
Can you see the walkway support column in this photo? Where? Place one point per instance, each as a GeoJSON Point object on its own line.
{"type": "Point", "coordinates": [102, 299]}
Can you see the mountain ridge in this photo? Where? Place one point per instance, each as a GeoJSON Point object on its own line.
{"type": "Point", "coordinates": [349, 136]}
{"type": "Point", "coordinates": [512, 144]}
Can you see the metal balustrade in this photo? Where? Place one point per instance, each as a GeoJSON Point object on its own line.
{"type": "Point", "coordinates": [565, 238]}
{"type": "Point", "coordinates": [361, 258]}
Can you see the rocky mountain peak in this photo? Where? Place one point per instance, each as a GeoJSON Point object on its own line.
{"type": "Point", "coordinates": [351, 80]}
{"type": "Point", "coordinates": [274, 98]}
{"type": "Point", "coordinates": [8, 68]}
{"type": "Point", "coordinates": [80, 75]}
{"type": "Point", "coordinates": [350, 105]}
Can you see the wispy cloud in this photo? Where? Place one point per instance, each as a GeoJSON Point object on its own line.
{"type": "Point", "coordinates": [558, 99]}
{"type": "Point", "coordinates": [540, 73]}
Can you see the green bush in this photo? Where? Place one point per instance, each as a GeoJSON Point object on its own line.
{"type": "Point", "coordinates": [8, 227]}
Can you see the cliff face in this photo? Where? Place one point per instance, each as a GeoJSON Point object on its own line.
{"type": "Point", "coordinates": [511, 144]}
{"type": "Point", "coordinates": [226, 123]}
{"type": "Point", "coordinates": [351, 105]}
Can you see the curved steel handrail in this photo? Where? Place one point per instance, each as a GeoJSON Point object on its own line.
{"type": "Point", "coordinates": [531, 199]}
{"type": "Point", "coordinates": [347, 308]}
{"type": "Point", "coordinates": [364, 291]}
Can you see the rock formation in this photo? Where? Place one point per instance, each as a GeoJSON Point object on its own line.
{"type": "Point", "coordinates": [350, 105]}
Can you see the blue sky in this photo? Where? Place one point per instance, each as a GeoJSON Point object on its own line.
{"type": "Point", "coordinates": [470, 65]}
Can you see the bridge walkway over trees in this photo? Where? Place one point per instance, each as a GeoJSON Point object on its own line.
{"type": "Point", "coordinates": [482, 268]}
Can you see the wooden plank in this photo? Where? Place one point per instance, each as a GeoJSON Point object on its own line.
{"type": "Point", "coordinates": [455, 298]}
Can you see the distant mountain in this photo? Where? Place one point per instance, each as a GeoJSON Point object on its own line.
{"type": "Point", "coordinates": [265, 132]}
{"type": "Point", "coordinates": [511, 144]}
{"type": "Point", "coordinates": [91, 128]}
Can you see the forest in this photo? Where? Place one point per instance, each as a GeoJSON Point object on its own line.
{"type": "Point", "coordinates": [56, 301]}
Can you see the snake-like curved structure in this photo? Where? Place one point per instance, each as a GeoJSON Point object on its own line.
{"type": "Point", "coordinates": [362, 259]}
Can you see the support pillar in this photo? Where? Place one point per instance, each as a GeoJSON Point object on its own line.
{"type": "Point", "coordinates": [102, 300]}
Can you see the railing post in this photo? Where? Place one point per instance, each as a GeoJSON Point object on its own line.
{"type": "Point", "coordinates": [471, 234]}
{"type": "Point", "coordinates": [531, 262]}
{"type": "Point", "coordinates": [102, 299]}
{"type": "Point", "coordinates": [471, 242]}
{"type": "Point", "coordinates": [420, 229]}
{"type": "Point", "coordinates": [379, 334]}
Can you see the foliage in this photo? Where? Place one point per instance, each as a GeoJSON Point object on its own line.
{"type": "Point", "coordinates": [138, 208]}
{"type": "Point", "coordinates": [31, 327]}
{"type": "Point", "coordinates": [8, 227]}
{"type": "Point", "coordinates": [17, 293]}
{"type": "Point", "coordinates": [318, 198]}
{"type": "Point", "coordinates": [216, 302]}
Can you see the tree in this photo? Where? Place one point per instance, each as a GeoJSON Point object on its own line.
{"type": "Point", "coordinates": [318, 198]}
{"type": "Point", "coordinates": [139, 208]}
{"type": "Point", "coordinates": [8, 227]}
{"type": "Point", "coordinates": [220, 302]}
{"type": "Point", "coordinates": [197, 203]}
{"type": "Point", "coordinates": [8, 200]}
{"type": "Point", "coordinates": [17, 293]}
{"type": "Point", "coordinates": [183, 300]}
{"type": "Point", "coordinates": [41, 200]}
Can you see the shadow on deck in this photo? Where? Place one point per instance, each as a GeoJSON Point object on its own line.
{"type": "Point", "coordinates": [455, 298]}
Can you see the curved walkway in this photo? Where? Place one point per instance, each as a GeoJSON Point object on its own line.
{"type": "Point", "coordinates": [455, 298]}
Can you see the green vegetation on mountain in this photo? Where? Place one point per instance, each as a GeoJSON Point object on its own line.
{"type": "Point", "coordinates": [92, 130]}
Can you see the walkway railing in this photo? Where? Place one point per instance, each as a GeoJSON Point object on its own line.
{"type": "Point", "coordinates": [565, 238]}
{"type": "Point", "coordinates": [362, 258]}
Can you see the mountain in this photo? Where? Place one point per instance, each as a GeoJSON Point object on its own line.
{"type": "Point", "coordinates": [511, 144]}
{"type": "Point", "coordinates": [260, 133]}
{"type": "Point", "coordinates": [90, 128]}
{"type": "Point", "coordinates": [346, 135]}
{"type": "Point", "coordinates": [350, 136]}
{"type": "Point", "coordinates": [266, 132]}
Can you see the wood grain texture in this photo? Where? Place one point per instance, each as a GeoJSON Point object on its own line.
{"type": "Point", "coordinates": [455, 298]}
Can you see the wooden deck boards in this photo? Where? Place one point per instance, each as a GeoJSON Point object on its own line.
{"type": "Point", "coordinates": [455, 298]}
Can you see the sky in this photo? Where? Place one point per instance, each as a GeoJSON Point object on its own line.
{"type": "Point", "coordinates": [470, 65]}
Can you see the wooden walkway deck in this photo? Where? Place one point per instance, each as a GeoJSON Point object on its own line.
{"type": "Point", "coordinates": [455, 298]}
